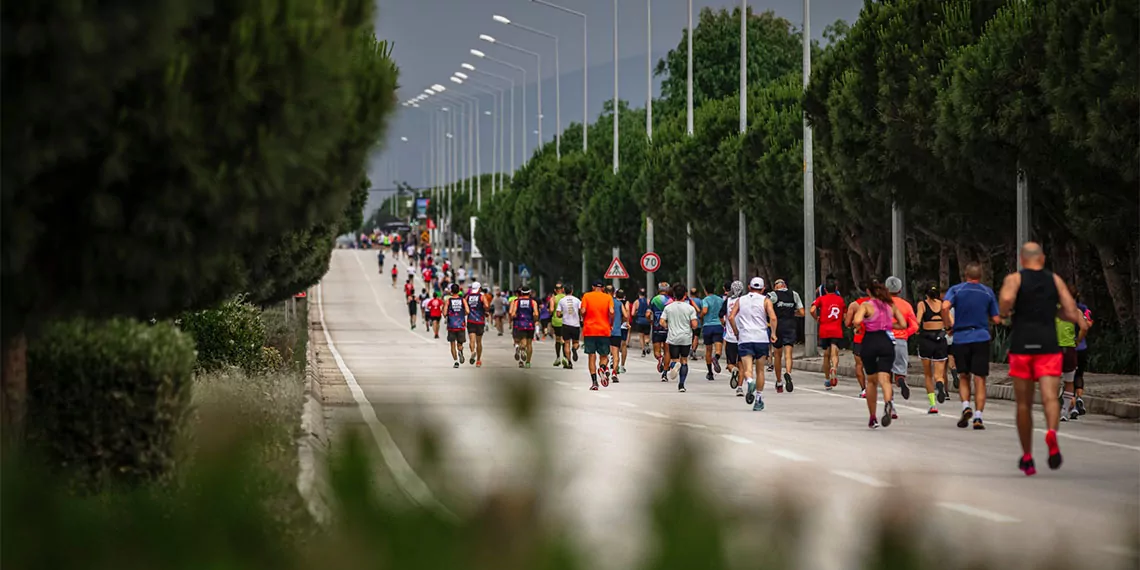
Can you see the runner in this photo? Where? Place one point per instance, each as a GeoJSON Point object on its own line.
{"type": "Point", "coordinates": [828, 310]}
{"type": "Point", "coordinates": [524, 315]}
{"type": "Point", "coordinates": [932, 348]}
{"type": "Point", "coordinates": [660, 333]}
{"type": "Point", "coordinates": [568, 310]}
{"type": "Point", "coordinates": [457, 311]}
{"type": "Point", "coordinates": [753, 320]}
{"type": "Point", "coordinates": [424, 299]}
{"type": "Point", "coordinates": [712, 331]}
{"type": "Point", "coordinates": [545, 317]}
{"type": "Point", "coordinates": [461, 275]}
{"type": "Point", "coordinates": [1030, 298]}
{"type": "Point", "coordinates": [626, 307]}
{"type": "Point", "coordinates": [1068, 336]}
{"type": "Point", "coordinates": [680, 320]}
{"type": "Point", "coordinates": [901, 335]}
{"type": "Point", "coordinates": [975, 306]}
{"type": "Point", "coordinates": [556, 322]}
{"type": "Point", "coordinates": [435, 312]}
{"type": "Point", "coordinates": [413, 304]}
{"type": "Point", "coordinates": [879, 317]}
{"type": "Point", "coordinates": [1082, 355]}
{"type": "Point", "coordinates": [395, 274]}
{"type": "Point", "coordinates": [380, 257]}
{"type": "Point", "coordinates": [597, 311]}
{"type": "Point", "coordinates": [618, 331]}
{"type": "Point", "coordinates": [476, 322]}
{"type": "Point", "coordinates": [857, 341]}
{"type": "Point", "coordinates": [732, 293]}
{"type": "Point", "coordinates": [499, 308]}
{"type": "Point", "coordinates": [641, 323]}
{"type": "Point", "coordinates": [787, 305]}
{"type": "Point", "coordinates": [698, 306]}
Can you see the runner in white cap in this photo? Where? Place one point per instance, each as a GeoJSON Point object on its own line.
{"type": "Point", "coordinates": [753, 321]}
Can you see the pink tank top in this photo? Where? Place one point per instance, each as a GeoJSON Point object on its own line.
{"type": "Point", "coordinates": [882, 320]}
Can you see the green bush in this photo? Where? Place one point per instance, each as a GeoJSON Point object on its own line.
{"type": "Point", "coordinates": [106, 400]}
{"type": "Point", "coordinates": [230, 335]}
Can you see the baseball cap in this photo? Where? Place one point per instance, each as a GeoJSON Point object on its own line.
{"type": "Point", "coordinates": [598, 283]}
{"type": "Point", "coordinates": [524, 291]}
{"type": "Point", "coordinates": [663, 286]}
{"type": "Point", "coordinates": [476, 286]}
{"type": "Point", "coordinates": [756, 283]}
{"type": "Point", "coordinates": [778, 282]}
{"type": "Point", "coordinates": [894, 284]}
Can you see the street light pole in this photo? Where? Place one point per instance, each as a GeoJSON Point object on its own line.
{"type": "Point", "coordinates": [538, 59]}
{"type": "Point", "coordinates": [482, 55]}
{"type": "Point", "coordinates": [615, 86]}
{"type": "Point", "coordinates": [472, 68]}
{"type": "Point", "coordinates": [557, 84]}
{"type": "Point", "coordinates": [742, 252]}
{"type": "Point", "coordinates": [690, 246]}
{"type": "Point", "coordinates": [585, 63]}
{"type": "Point", "coordinates": [810, 325]}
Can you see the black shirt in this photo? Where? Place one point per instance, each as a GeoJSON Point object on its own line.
{"type": "Point", "coordinates": [1034, 314]}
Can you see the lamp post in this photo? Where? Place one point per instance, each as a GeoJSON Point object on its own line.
{"type": "Point", "coordinates": [585, 63]}
{"type": "Point", "coordinates": [472, 68]}
{"type": "Point", "coordinates": [690, 246]}
{"type": "Point", "coordinates": [742, 252]}
{"type": "Point", "coordinates": [538, 59]}
{"type": "Point", "coordinates": [482, 55]}
{"type": "Point", "coordinates": [810, 325]}
{"type": "Point", "coordinates": [557, 83]}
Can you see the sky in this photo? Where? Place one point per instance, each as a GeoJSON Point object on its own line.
{"type": "Point", "coordinates": [432, 38]}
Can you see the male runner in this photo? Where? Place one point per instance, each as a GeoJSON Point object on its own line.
{"type": "Point", "coordinates": [476, 322]}
{"type": "Point", "coordinates": [395, 274]}
{"type": "Point", "coordinates": [680, 320]}
{"type": "Point", "coordinates": [712, 329]}
{"type": "Point", "coordinates": [753, 320]}
{"type": "Point", "coordinates": [435, 312]}
{"type": "Point", "coordinates": [556, 322]}
{"type": "Point", "coordinates": [1082, 356]}
{"type": "Point", "coordinates": [524, 315]}
{"type": "Point", "coordinates": [568, 310]}
{"type": "Point", "coordinates": [1068, 336]}
{"type": "Point", "coordinates": [902, 354]}
{"type": "Point", "coordinates": [660, 333]}
{"type": "Point", "coordinates": [732, 293]}
{"type": "Point", "coordinates": [456, 323]}
{"type": "Point", "coordinates": [626, 309]}
{"type": "Point", "coordinates": [618, 331]}
{"type": "Point", "coordinates": [641, 321]}
{"type": "Point", "coordinates": [597, 311]}
{"type": "Point", "coordinates": [499, 306]}
{"type": "Point", "coordinates": [828, 310]}
{"type": "Point", "coordinates": [413, 304]}
{"type": "Point", "coordinates": [380, 257]}
{"type": "Point", "coordinates": [698, 306]}
{"type": "Point", "coordinates": [975, 307]}
{"type": "Point", "coordinates": [1030, 298]}
{"type": "Point", "coordinates": [787, 305]}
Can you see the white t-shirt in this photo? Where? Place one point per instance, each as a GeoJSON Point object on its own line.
{"type": "Point", "coordinates": [729, 336]}
{"type": "Point", "coordinates": [678, 317]}
{"type": "Point", "coordinates": [462, 274]}
{"type": "Point", "coordinates": [752, 319]}
{"type": "Point", "coordinates": [569, 305]}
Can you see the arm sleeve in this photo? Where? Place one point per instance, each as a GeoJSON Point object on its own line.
{"type": "Point", "coordinates": [723, 310]}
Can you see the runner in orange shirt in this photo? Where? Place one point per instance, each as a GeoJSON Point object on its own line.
{"type": "Point", "coordinates": [902, 358]}
{"type": "Point", "coordinates": [597, 320]}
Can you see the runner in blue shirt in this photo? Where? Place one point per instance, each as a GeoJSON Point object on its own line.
{"type": "Point", "coordinates": [975, 307]}
{"type": "Point", "coordinates": [712, 331]}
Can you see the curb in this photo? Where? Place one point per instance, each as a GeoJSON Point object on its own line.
{"type": "Point", "coordinates": [313, 444]}
{"type": "Point", "coordinates": [1095, 405]}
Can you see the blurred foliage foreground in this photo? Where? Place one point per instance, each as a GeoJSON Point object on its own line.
{"type": "Point", "coordinates": [234, 506]}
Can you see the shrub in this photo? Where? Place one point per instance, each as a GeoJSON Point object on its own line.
{"type": "Point", "coordinates": [271, 360]}
{"type": "Point", "coordinates": [230, 335]}
{"type": "Point", "coordinates": [107, 399]}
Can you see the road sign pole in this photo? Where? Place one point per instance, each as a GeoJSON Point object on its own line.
{"type": "Point", "coordinates": [617, 253]}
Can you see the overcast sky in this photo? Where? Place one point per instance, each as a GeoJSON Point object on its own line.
{"type": "Point", "coordinates": [432, 38]}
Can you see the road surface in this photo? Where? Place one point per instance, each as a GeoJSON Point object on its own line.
{"type": "Point", "coordinates": [812, 443]}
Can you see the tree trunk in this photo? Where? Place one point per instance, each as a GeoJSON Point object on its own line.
{"type": "Point", "coordinates": [14, 389]}
{"type": "Point", "coordinates": [943, 267]}
{"type": "Point", "coordinates": [1117, 288]}
{"type": "Point", "coordinates": [858, 281]}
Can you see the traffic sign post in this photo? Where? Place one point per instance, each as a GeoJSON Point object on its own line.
{"type": "Point", "coordinates": [524, 273]}
{"type": "Point", "coordinates": [616, 270]}
{"type": "Point", "coordinates": [650, 262]}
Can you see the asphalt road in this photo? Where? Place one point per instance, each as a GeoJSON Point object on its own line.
{"type": "Point", "coordinates": [814, 444]}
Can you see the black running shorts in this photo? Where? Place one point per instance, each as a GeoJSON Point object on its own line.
{"type": "Point", "coordinates": [476, 329]}
{"type": "Point", "coordinates": [878, 353]}
{"type": "Point", "coordinates": [615, 342]}
{"type": "Point", "coordinates": [520, 334]}
{"type": "Point", "coordinates": [972, 358]}
{"type": "Point", "coordinates": [679, 350]}
{"type": "Point", "coordinates": [731, 352]}
{"type": "Point", "coordinates": [826, 343]}
{"type": "Point", "coordinates": [571, 333]}
{"type": "Point", "coordinates": [456, 336]}
{"type": "Point", "coordinates": [659, 337]}
{"type": "Point", "coordinates": [932, 346]}
{"type": "Point", "coordinates": [785, 335]}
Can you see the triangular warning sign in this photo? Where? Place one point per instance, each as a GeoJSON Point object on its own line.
{"type": "Point", "coordinates": [616, 270]}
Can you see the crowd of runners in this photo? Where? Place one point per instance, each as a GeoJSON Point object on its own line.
{"type": "Point", "coordinates": [745, 325]}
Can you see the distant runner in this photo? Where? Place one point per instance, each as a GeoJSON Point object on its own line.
{"type": "Point", "coordinates": [476, 322]}
{"type": "Point", "coordinates": [597, 310]}
{"type": "Point", "coordinates": [712, 331]}
{"type": "Point", "coordinates": [641, 324]}
{"type": "Point", "coordinates": [456, 323]}
{"type": "Point", "coordinates": [660, 333]}
{"type": "Point", "coordinates": [754, 322]}
{"type": "Point", "coordinates": [879, 316]}
{"type": "Point", "coordinates": [524, 315]}
{"type": "Point", "coordinates": [974, 307]}
{"type": "Point", "coordinates": [828, 310]}
{"type": "Point", "coordinates": [787, 305]}
{"type": "Point", "coordinates": [732, 293]}
{"type": "Point", "coordinates": [569, 311]}
{"type": "Point", "coordinates": [680, 320]}
{"type": "Point", "coordinates": [435, 312]}
{"type": "Point", "coordinates": [556, 322]}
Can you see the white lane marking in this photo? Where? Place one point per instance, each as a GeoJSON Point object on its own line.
{"type": "Point", "coordinates": [1063, 435]}
{"type": "Point", "coordinates": [406, 477]}
{"type": "Point", "coordinates": [735, 438]}
{"type": "Point", "coordinates": [627, 404]}
{"type": "Point", "coordinates": [606, 396]}
{"type": "Point", "coordinates": [562, 382]}
{"type": "Point", "coordinates": [376, 298]}
{"type": "Point", "coordinates": [860, 478]}
{"type": "Point", "coordinates": [575, 387]}
{"type": "Point", "coordinates": [976, 512]}
{"type": "Point", "coordinates": [790, 455]}
{"type": "Point", "coordinates": [657, 415]}
{"type": "Point", "coordinates": [694, 426]}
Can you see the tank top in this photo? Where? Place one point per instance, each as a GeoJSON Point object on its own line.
{"type": "Point", "coordinates": [752, 319]}
{"type": "Point", "coordinates": [665, 300]}
{"type": "Point", "coordinates": [930, 316]}
{"type": "Point", "coordinates": [1034, 331]}
{"type": "Point", "coordinates": [785, 305]}
{"type": "Point", "coordinates": [640, 307]}
{"type": "Point", "coordinates": [456, 319]}
{"type": "Point", "coordinates": [478, 314]}
{"type": "Point", "coordinates": [882, 320]}
{"type": "Point", "coordinates": [524, 315]}
{"type": "Point", "coordinates": [555, 319]}
{"type": "Point", "coordinates": [729, 336]}
{"type": "Point", "coordinates": [544, 311]}
{"type": "Point", "coordinates": [615, 330]}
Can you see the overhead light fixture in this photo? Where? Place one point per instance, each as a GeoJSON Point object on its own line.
{"type": "Point", "coordinates": [478, 53]}
{"type": "Point", "coordinates": [439, 88]}
{"type": "Point", "coordinates": [404, 139]}
{"type": "Point", "coordinates": [445, 109]}
{"type": "Point", "coordinates": [457, 80]}
{"type": "Point", "coordinates": [501, 19]}
{"type": "Point", "coordinates": [416, 105]}
{"type": "Point", "coordinates": [486, 112]}
{"type": "Point", "coordinates": [486, 38]}
{"type": "Point", "coordinates": [429, 92]}
{"type": "Point", "coordinates": [468, 67]}
{"type": "Point", "coordinates": [449, 135]}
{"type": "Point", "coordinates": [461, 75]}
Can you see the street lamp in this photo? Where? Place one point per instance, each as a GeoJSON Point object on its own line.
{"type": "Point", "coordinates": [538, 58]}
{"type": "Point", "coordinates": [557, 87]}
{"type": "Point", "coordinates": [585, 63]}
{"type": "Point", "coordinates": [482, 55]}
{"type": "Point", "coordinates": [502, 136]}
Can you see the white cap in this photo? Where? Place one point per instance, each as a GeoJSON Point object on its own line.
{"type": "Point", "coordinates": [756, 283]}
{"type": "Point", "coordinates": [475, 285]}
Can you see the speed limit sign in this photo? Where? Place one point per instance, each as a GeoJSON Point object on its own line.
{"type": "Point", "coordinates": [650, 262]}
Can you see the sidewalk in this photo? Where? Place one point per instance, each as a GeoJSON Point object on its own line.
{"type": "Point", "coordinates": [1110, 394]}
